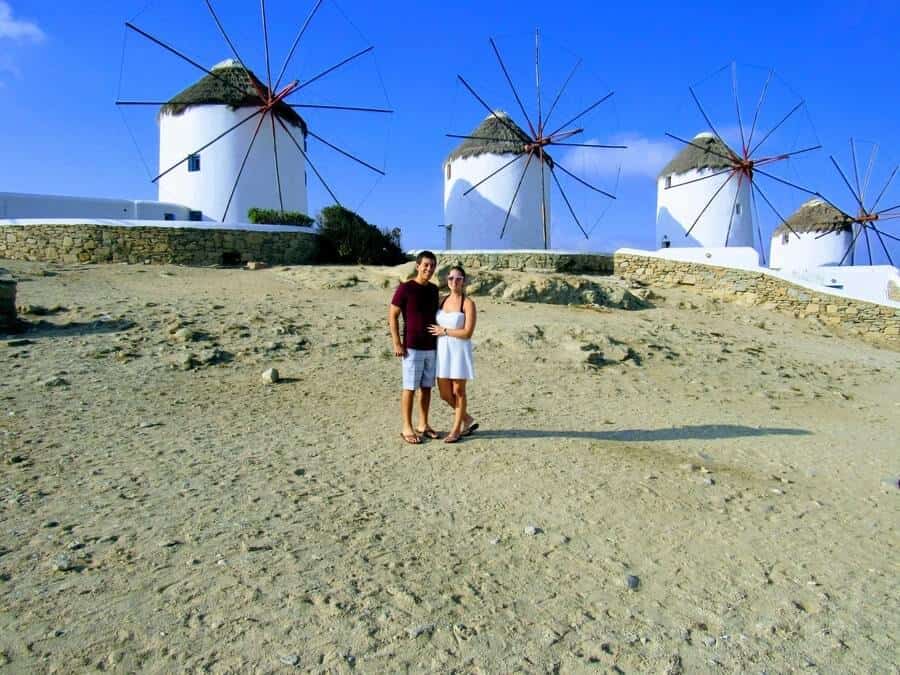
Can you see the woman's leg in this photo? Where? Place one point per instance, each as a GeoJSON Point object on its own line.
{"type": "Point", "coordinates": [459, 393]}
{"type": "Point", "coordinates": [445, 387]}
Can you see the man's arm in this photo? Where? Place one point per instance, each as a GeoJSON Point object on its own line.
{"type": "Point", "coordinates": [394, 325]}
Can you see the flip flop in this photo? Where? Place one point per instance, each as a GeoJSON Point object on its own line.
{"type": "Point", "coordinates": [451, 438]}
{"type": "Point", "coordinates": [469, 429]}
{"type": "Point", "coordinates": [428, 432]}
{"type": "Point", "coordinates": [412, 439]}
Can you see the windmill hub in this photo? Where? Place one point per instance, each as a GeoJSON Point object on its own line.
{"type": "Point", "coordinates": [866, 217]}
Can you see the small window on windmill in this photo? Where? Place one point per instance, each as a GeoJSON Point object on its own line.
{"type": "Point", "coordinates": [668, 182]}
{"type": "Point", "coordinates": [785, 238]}
{"type": "Point", "coordinates": [168, 216]}
{"type": "Point", "coordinates": [448, 170]}
{"type": "Point", "coordinates": [193, 163]}
{"type": "Point", "coordinates": [196, 216]}
{"type": "Point", "coordinates": [737, 209]}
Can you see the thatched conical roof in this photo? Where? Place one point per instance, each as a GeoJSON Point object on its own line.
{"type": "Point", "coordinates": [225, 87]}
{"type": "Point", "coordinates": [692, 158]}
{"type": "Point", "coordinates": [504, 138]}
{"type": "Point", "coordinates": [816, 216]}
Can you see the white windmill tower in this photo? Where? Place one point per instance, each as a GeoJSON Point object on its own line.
{"type": "Point", "coordinates": [475, 210]}
{"type": "Point", "coordinates": [206, 181]}
{"type": "Point", "coordinates": [701, 175]}
{"type": "Point", "coordinates": [824, 235]}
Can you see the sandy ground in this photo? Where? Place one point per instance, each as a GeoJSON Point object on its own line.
{"type": "Point", "coordinates": [164, 510]}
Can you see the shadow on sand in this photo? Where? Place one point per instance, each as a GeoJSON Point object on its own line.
{"type": "Point", "coordinates": [698, 431]}
{"type": "Point", "coordinates": [47, 329]}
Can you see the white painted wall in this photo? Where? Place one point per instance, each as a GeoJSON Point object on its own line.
{"type": "Point", "coordinates": [678, 207]}
{"type": "Point", "coordinates": [476, 219]}
{"type": "Point", "coordinates": [208, 189]}
{"type": "Point", "coordinates": [806, 251]}
{"type": "Point", "coordinates": [739, 257]}
{"type": "Point", "coordinates": [19, 205]}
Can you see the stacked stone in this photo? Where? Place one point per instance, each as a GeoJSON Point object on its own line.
{"type": "Point", "coordinates": [88, 243]}
{"type": "Point", "coordinates": [542, 261]}
{"type": "Point", "coordinates": [868, 319]}
{"type": "Point", "coordinates": [7, 300]}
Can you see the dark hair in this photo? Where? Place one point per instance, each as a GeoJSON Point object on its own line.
{"type": "Point", "coordinates": [426, 254]}
{"type": "Point", "coordinates": [458, 268]}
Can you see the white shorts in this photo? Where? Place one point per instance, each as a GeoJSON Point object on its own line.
{"type": "Point", "coordinates": [418, 369]}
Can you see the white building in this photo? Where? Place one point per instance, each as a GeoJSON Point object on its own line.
{"type": "Point", "coordinates": [205, 181]}
{"type": "Point", "coordinates": [680, 198]}
{"type": "Point", "coordinates": [475, 220]}
{"type": "Point", "coordinates": [824, 235]}
{"type": "Point", "coordinates": [17, 205]}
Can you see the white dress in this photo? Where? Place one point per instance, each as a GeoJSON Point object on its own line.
{"type": "Point", "coordinates": [454, 355]}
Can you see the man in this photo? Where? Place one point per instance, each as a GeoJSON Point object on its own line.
{"type": "Point", "coordinates": [416, 301]}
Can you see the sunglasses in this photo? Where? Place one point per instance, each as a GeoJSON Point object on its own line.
{"type": "Point", "coordinates": [456, 278]}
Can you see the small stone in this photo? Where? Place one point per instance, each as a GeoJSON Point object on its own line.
{"type": "Point", "coordinates": [75, 546]}
{"type": "Point", "coordinates": [709, 481]}
{"type": "Point", "coordinates": [532, 530]}
{"type": "Point", "coordinates": [290, 659]}
{"type": "Point", "coordinates": [185, 335]}
{"type": "Point", "coordinates": [256, 265]}
{"type": "Point", "coordinates": [632, 582]}
{"type": "Point", "coordinates": [63, 563]}
{"type": "Point", "coordinates": [709, 641]}
{"type": "Point", "coordinates": [271, 376]}
{"type": "Point", "coordinates": [56, 381]}
{"type": "Point", "coordinates": [50, 523]}
{"type": "Point", "coordinates": [494, 541]}
{"type": "Point", "coordinates": [424, 629]}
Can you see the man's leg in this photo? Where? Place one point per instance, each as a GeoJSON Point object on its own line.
{"type": "Point", "coordinates": [412, 374]}
{"type": "Point", "coordinates": [406, 407]}
{"type": "Point", "coordinates": [429, 358]}
{"type": "Point", "coordinates": [424, 404]}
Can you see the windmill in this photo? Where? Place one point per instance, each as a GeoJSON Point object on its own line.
{"type": "Point", "coordinates": [722, 172]}
{"type": "Point", "coordinates": [206, 143]}
{"type": "Point", "coordinates": [507, 168]}
{"type": "Point", "coordinates": [862, 218]}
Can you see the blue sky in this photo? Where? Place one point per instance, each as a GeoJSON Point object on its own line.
{"type": "Point", "coordinates": [62, 66]}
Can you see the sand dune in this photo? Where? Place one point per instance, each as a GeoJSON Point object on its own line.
{"type": "Point", "coordinates": [685, 487]}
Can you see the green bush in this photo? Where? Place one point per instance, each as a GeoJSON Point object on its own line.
{"type": "Point", "coordinates": [345, 237]}
{"type": "Point", "coordinates": [276, 217]}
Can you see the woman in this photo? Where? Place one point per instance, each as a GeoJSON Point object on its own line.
{"type": "Point", "coordinates": [455, 325]}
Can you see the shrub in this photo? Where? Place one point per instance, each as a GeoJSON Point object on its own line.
{"type": "Point", "coordinates": [275, 217]}
{"type": "Point", "coordinates": [345, 237]}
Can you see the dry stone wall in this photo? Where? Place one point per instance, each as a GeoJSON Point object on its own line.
{"type": "Point", "coordinates": [7, 300]}
{"type": "Point", "coordinates": [540, 261]}
{"type": "Point", "coordinates": [89, 243]}
{"type": "Point", "coordinates": [868, 319]}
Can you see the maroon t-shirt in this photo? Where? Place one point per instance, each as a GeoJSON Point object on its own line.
{"type": "Point", "coordinates": [418, 305]}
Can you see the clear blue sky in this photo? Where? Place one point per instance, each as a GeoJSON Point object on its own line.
{"type": "Point", "coordinates": [62, 66]}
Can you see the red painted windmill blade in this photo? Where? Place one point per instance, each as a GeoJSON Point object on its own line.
{"type": "Point", "coordinates": [262, 102]}
{"type": "Point", "coordinates": [753, 153]}
{"type": "Point", "coordinates": [867, 216]}
{"type": "Point", "coordinates": [532, 145]}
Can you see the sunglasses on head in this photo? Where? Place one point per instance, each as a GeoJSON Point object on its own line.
{"type": "Point", "coordinates": [455, 278]}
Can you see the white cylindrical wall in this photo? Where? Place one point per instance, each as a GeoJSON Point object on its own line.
{"type": "Point", "coordinates": [208, 189]}
{"type": "Point", "coordinates": [789, 252]}
{"type": "Point", "coordinates": [476, 219]}
{"type": "Point", "coordinates": [678, 207]}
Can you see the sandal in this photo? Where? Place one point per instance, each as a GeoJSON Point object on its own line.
{"type": "Point", "coordinates": [428, 432]}
{"type": "Point", "coordinates": [452, 438]}
{"type": "Point", "coordinates": [469, 429]}
{"type": "Point", "coordinates": [412, 439]}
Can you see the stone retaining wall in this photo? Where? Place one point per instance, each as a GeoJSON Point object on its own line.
{"type": "Point", "coordinates": [90, 243]}
{"type": "Point", "coordinates": [755, 288]}
{"type": "Point", "coordinates": [7, 300]}
{"type": "Point", "coordinates": [537, 261]}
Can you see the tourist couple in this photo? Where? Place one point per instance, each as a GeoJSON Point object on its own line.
{"type": "Point", "coordinates": [436, 342]}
